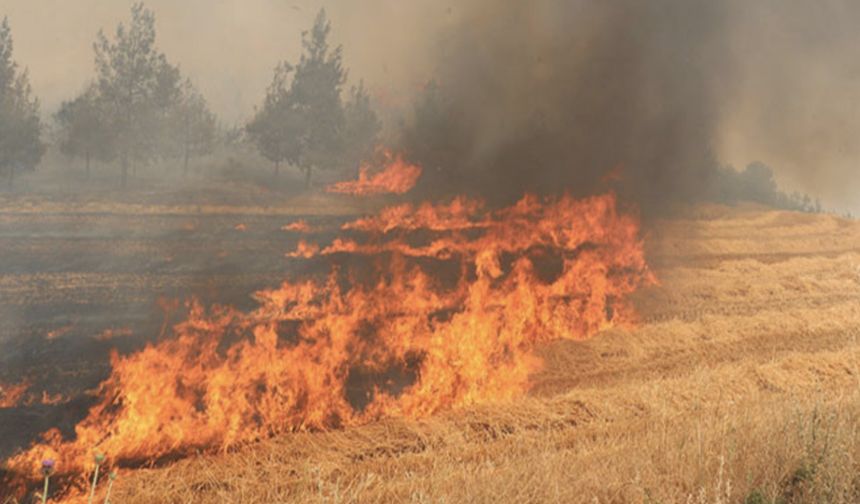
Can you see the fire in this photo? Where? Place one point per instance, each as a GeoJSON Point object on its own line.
{"type": "Point", "coordinates": [112, 333]}
{"type": "Point", "coordinates": [299, 226]}
{"type": "Point", "coordinates": [12, 395]}
{"type": "Point", "coordinates": [59, 332]}
{"type": "Point", "coordinates": [20, 394]}
{"type": "Point", "coordinates": [460, 297]}
{"type": "Point", "coordinates": [397, 177]}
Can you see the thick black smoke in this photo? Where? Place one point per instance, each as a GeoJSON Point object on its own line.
{"type": "Point", "coordinates": [552, 96]}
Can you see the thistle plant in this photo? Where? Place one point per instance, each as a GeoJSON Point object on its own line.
{"type": "Point", "coordinates": [99, 459]}
{"type": "Point", "coordinates": [111, 478]}
{"type": "Point", "coordinates": [47, 470]}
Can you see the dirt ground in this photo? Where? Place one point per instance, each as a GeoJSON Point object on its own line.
{"type": "Point", "coordinates": [741, 383]}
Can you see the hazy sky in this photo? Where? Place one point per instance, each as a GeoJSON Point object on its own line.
{"type": "Point", "coordinates": [228, 47]}
{"type": "Point", "coordinates": [792, 100]}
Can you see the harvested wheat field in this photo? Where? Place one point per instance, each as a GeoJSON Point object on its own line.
{"type": "Point", "coordinates": [740, 383]}
{"type": "Point", "coordinates": [255, 251]}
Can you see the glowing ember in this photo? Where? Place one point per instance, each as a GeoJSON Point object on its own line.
{"type": "Point", "coordinates": [459, 300]}
{"type": "Point", "coordinates": [11, 395]}
{"type": "Point", "coordinates": [397, 177]}
{"type": "Point", "coordinates": [52, 398]}
{"type": "Point", "coordinates": [57, 333]}
{"type": "Point", "coordinates": [109, 334]}
{"type": "Point", "coordinates": [19, 394]}
{"type": "Point", "coordinates": [299, 226]}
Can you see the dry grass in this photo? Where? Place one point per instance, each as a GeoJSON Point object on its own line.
{"type": "Point", "coordinates": [716, 436]}
{"type": "Point", "coordinates": [742, 384]}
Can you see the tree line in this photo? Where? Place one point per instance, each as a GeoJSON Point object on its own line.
{"type": "Point", "coordinates": [21, 146]}
{"type": "Point", "coordinates": [139, 109]}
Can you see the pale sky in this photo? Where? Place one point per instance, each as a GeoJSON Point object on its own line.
{"type": "Point", "coordinates": [228, 47]}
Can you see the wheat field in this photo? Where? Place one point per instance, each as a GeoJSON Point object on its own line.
{"type": "Point", "coordinates": [740, 383]}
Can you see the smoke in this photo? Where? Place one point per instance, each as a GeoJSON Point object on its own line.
{"type": "Point", "coordinates": [663, 88]}
{"type": "Point", "coordinates": [795, 98]}
{"type": "Point", "coordinates": [554, 95]}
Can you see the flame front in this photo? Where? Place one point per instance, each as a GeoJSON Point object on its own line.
{"type": "Point", "coordinates": [397, 177]}
{"type": "Point", "coordinates": [459, 299]}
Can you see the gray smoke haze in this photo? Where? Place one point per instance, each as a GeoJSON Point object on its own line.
{"type": "Point", "coordinates": [661, 87]}
{"type": "Point", "coordinates": [555, 94]}
{"type": "Point", "coordinates": [795, 94]}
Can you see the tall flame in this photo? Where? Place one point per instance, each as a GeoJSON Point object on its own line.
{"type": "Point", "coordinates": [460, 298]}
{"type": "Point", "coordinates": [397, 177]}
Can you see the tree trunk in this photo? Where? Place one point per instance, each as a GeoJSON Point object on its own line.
{"type": "Point", "coordinates": [87, 155]}
{"type": "Point", "coordinates": [124, 171]}
{"type": "Point", "coordinates": [185, 162]}
{"type": "Point", "coordinates": [307, 177]}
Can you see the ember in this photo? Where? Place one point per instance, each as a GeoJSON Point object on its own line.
{"type": "Point", "coordinates": [12, 394]}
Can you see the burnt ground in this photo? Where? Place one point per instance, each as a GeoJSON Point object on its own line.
{"type": "Point", "coordinates": [76, 284]}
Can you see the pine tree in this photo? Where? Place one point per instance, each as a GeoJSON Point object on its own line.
{"type": "Point", "coordinates": [303, 123]}
{"type": "Point", "coordinates": [83, 130]}
{"type": "Point", "coordinates": [138, 88]}
{"type": "Point", "coordinates": [195, 125]}
{"type": "Point", "coordinates": [436, 139]}
{"type": "Point", "coordinates": [361, 127]}
{"type": "Point", "coordinates": [315, 93]}
{"type": "Point", "coordinates": [275, 128]}
{"type": "Point", "coordinates": [21, 147]}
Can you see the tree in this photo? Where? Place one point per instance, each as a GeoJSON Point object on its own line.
{"type": "Point", "coordinates": [83, 129]}
{"type": "Point", "coordinates": [137, 86]}
{"type": "Point", "coordinates": [361, 127]}
{"type": "Point", "coordinates": [195, 125]}
{"type": "Point", "coordinates": [275, 128]}
{"type": "Point", "coordinates": [21, 147]}
{"type": "Point", "coordinates": [437, 138]}
{"type": "Point", "coordinates": [315, 95]}
{"type": "Point", "coordinates": [303, 124]}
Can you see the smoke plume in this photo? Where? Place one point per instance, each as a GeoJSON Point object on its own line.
{"type": "Point", "coordinates": [556, 95]}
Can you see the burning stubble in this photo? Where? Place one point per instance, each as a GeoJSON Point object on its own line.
{"type": "Point", "coordinates": [412, 345]}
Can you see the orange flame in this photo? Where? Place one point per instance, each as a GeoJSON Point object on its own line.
{"type": "Point", "coordinates": [12, 395]}
{"type": "Point", "coordinates": [412, 342]}
{"type": "Point", "coordinates": [397, 177]}
{"type": "Point", "coordinates": [19, 394]}
{"type": "Point", "coordinates": [299, 226]}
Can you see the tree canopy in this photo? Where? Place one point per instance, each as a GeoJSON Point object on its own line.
{"type": "Point", "coordinates": [139, 108]}
{"type": "Point", "coordinates": [194, 126]}
{"type": "Point", "coordinates": [304, 121]}
{"type": "Point", "coordinates": [275, 128]}
{"type": "Point", "coordinates": [21, 146]}
{"type": "Point", "coordinates": [83, 131]}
